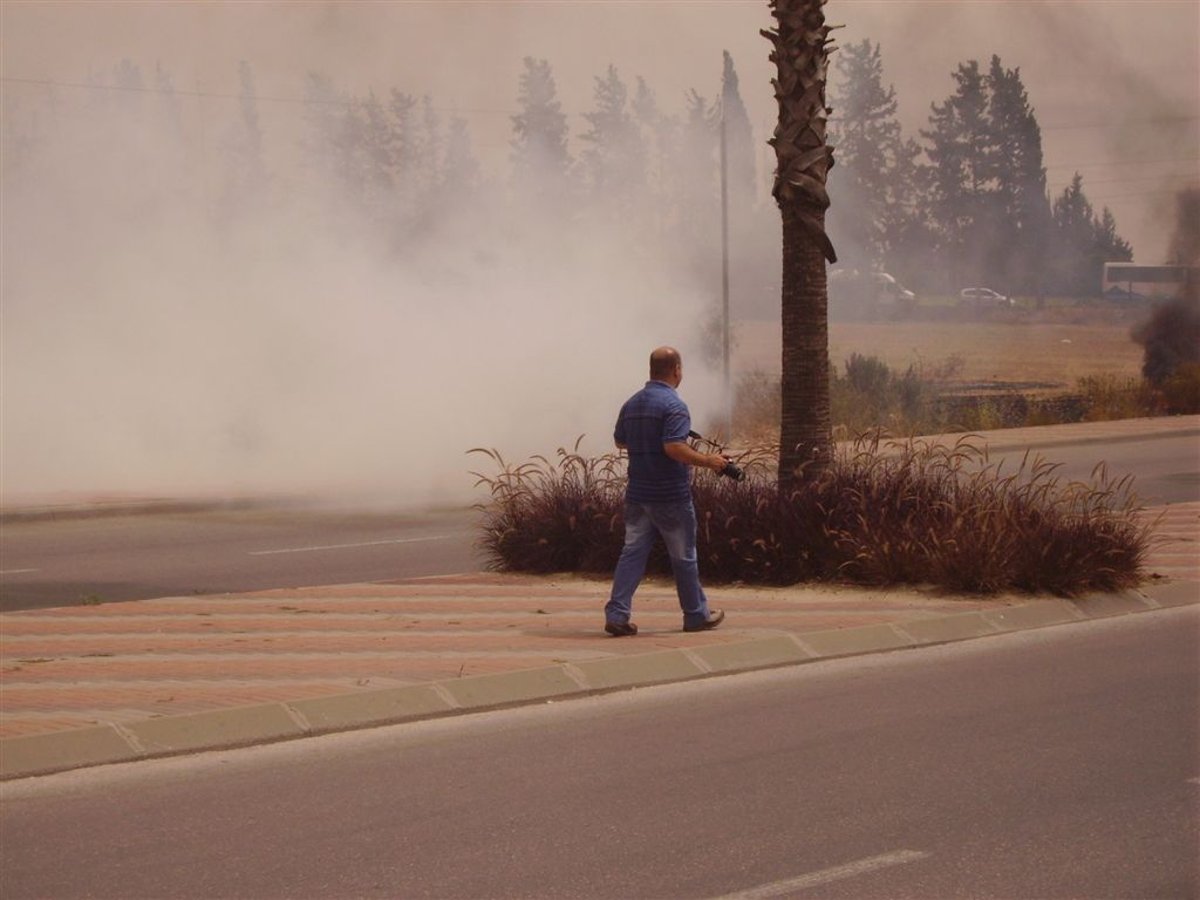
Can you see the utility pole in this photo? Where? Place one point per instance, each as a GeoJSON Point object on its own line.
{"type": "Point", "coordinates": [725, 280]}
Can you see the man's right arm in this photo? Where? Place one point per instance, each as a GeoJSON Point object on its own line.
{"type": "Point", "coordinates": [684, 453]}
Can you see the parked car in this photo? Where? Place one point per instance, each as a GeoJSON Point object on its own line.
{"type": "Point", "coordinates": [857, 294]}
{"type": "Point", "coordinates": [1123, 295]}
{"type": "Point", "coordinates": [889, 290]}
{"type": "Point", "coordinates": [983, 297]}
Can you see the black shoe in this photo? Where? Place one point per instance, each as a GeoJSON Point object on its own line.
{"type": "Point", "coordinates": [715, 618]}
{"type": "Point", "coordinates": [620, 629]}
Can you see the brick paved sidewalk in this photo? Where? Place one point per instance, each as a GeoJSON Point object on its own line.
{"type": "Point", "coordinates": [1175, 552]}
{"type": "Point", "coordinates": [119, 662]}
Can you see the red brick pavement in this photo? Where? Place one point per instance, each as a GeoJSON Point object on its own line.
{"type": "Point", "coordinates": [1176, 548]}
{"type": "Point", "coordinates": [74, 666]}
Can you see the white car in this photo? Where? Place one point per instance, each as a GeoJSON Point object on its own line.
{"type": "Point", "coordinates": [983, 297]}
{"type": "Point", "coordinates": [889, 290]}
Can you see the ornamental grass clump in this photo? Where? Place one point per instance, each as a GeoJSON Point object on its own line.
{"type": "Point", "coordinates": [553, 516]}
{"type": "Point", "coordinates": [884, 512]}
{"type": "Point", "coordinates": [918, 511]}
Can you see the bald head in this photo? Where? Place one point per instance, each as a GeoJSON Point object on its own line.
{"type": "Point", "coordinates": [666, 365]}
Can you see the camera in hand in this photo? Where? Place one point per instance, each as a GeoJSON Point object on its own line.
{"type": "Point", "coordinates": [732, 470]}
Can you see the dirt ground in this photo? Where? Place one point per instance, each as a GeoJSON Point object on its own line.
{"type": "Point", "coordinates": [1042, 354]}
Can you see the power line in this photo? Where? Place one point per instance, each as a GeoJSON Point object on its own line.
{"type": "Point", "coordinates": [49, 82]}
{"type": "Point", "coordinates": [1138, 196]}
{"type": "Point", "coordinates": [1122, 162]}
{"type": "Point", "coordinates": [1067, 126]}
{"type": "Point", "coordinates": [176, 92]}
{"type": "Point", "coordinates": [171, 91]}
{"type": "Point", "coordinates": [1159, 177]}
{"type": "Point", "coordinates": [348, 103]}
{"type": "Point", "coordinates": [1158, 120]}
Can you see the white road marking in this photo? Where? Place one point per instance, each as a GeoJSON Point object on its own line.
{"type": "Point", "coordinates": [849, 870]}
{"type": "Point", "coordinates": [436, 537]}
{"type": "Point", "coordinates": [17, 571]}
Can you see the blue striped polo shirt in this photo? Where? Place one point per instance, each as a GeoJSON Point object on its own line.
{"type": "Point", "coordinates": [653, 416]}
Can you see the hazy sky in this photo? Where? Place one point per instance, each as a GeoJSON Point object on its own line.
{"type": "Point", "coordinates": [142, 352]}
{"type": "Point", "coordinates": [1115, 83]}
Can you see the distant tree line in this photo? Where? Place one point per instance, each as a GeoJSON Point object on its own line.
{"type": "Point", "coordinates": [968, 203]}
{"type": "Point", "coordinates": [965, 204]}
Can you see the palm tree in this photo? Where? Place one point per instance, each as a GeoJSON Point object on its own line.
{"type": "Point", "coordinates": [801, 55]}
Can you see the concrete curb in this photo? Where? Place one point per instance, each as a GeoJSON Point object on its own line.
{"type": "Point", "coordinates": [1172, 593]}
{"type": "Point", "coordinates": [344, 712]}
{"type": "Point", "coordinates": [238, 726]}
{"type": "Point", "coordinates": [39, 754]}
{"type": "Point", "coordinates": [43, 754]}
{"type": "Point", "coordinates": [97, 509]}
{"type": "Point", "coordinates": [1002, 445]}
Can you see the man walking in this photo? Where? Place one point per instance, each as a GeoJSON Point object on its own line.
{"type": "Point", "coordinates": [653, 427]}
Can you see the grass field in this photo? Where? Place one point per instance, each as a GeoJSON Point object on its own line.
{"type": "Point", "coordinates": [1046, 356]}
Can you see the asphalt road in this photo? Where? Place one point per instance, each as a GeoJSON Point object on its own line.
{"type": "Point", "coordinates": [1166, 469]}
{"type": "Point", "coordinates": [1063, 762]}
{"type": "Point", "coordinates": [59, 562]}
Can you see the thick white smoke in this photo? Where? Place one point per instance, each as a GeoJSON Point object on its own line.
{"type": "Point", "coordinates": [150, 347]}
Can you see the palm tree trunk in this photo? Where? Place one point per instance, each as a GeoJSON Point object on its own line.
{"type": "Point", "coordinates": [804, 426]}
{"type": "Point", "coordinates": [801, 56]}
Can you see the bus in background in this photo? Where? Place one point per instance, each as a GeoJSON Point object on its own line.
{"type": "Point", "coordinates": [1132, 283]}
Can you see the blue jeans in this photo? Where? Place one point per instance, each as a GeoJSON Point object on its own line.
{"type": "Point", "coordinates": [676, 522]}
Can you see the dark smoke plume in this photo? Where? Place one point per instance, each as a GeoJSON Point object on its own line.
{"type": "Point", "coordinates": [1171, 336]}
{"type": "Point", "coordinates": [1185, 242]}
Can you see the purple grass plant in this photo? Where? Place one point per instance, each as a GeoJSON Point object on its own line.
{"type": "Point", "coordinates": [553, 516]}
{"type": "Point", "coordinates": [885, 512]}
